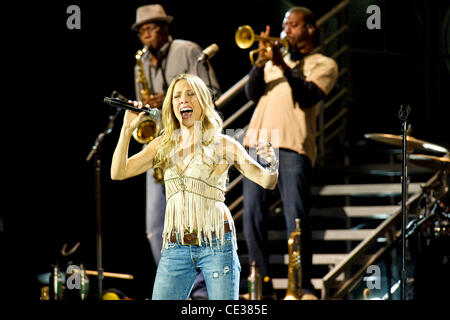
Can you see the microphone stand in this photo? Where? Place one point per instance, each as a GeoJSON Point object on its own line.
{"type": "Point", "coordinates": [403, 115]}
{"type": "Point", "coordinates": [95, 152]}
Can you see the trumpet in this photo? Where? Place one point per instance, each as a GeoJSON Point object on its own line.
{"type": "Point", "coordinates": [294, 290]}
{"type": "Point", "coordinates": [149, 128]}
{"type": "Point", "coordinates": [245, 37]}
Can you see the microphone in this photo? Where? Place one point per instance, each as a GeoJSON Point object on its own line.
{"type": "Point", "coordinates": [208, 53]}
{"type": "Point", "coordinates": [152, 112]}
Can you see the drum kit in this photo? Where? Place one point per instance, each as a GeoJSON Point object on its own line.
{"type": "Point", "coordinates": [428, 231]}
{"type": "Point", "coordinates": [70, 282]}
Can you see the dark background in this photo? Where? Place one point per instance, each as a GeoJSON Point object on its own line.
{"type": "Point", "coordinates": [70, 71]}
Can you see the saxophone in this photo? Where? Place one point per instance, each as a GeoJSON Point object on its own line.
{"type": "Point", "coordinates": [141, 80]}
{"type": "Point", "coordinates": [294, 289]}
{"type": "Point", "coordinates": [149, 128]}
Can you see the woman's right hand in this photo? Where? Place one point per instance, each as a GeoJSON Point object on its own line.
{"type": "Point", "coordinates": [131, 120]}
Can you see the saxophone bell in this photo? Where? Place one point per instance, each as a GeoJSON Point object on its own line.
{"type": "Point", "coordinates": [149, 128]}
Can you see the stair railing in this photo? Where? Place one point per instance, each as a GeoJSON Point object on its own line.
{"type": "Point", "coordinates": [360, 258]}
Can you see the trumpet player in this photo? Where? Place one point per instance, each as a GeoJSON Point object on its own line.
{"type": "Point", "coordinates": [287, 90]}
{"type": "Point", "coordinates": [163, 59]}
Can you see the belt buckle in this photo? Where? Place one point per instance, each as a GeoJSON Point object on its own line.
{"type": "Point", "coordinates": [190, 239]}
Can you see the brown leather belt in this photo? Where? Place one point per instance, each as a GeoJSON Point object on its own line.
{"type": "Point", "coordinates": [191, 238]}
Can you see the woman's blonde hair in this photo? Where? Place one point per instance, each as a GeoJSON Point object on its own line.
{"type": "Point", "coordinates": [211, 122]}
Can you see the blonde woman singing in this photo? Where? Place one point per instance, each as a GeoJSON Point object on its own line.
{"type": "Point", "coordinates": [199, 233]}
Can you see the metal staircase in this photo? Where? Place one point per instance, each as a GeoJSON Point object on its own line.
{"type": "Point", "coordinates": [354, 220]}
{"type": "Point", "coordinates": [355, 215]}
{"type": "Point", "coordinates": [366, 232]}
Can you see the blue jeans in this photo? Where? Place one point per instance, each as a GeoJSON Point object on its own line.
{"type": "Point", "coordinates": [180, 265]}
{"type": "Point", "coordinates": [155, 210]}
{"type": "Point", "coordinates": [294, 176]}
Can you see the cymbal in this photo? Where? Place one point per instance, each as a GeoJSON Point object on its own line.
{"type": "Point", "coordinates": [412, 143]}
{"type": "Point", "coordinates": [432, 162]}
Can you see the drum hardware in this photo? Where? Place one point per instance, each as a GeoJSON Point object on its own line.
{"type": "Point", "coordinates": [403, 115]}
{"type": "Point", "coordinates": [108, 274]}
{"type": "Point", "coordinates": [409, 145]}
{"type": "Point", "coordinates": [442, 223]}
{"type": "Point", "coordinates": [77, 284]}
{"type": "Point", "coordinates": [57, 283]}
{"type": "Point", "coordinates": [432, 162]}
{"type": "Point", "coordinates": [413, 144]}
{"type": "Point", "coordinates": [435, 196]}
{"type": "Point", "coordinates": [414, 224]}
{"type": "Point", "coordinates": [114, 294]}
{"type": "Point", "coordinates": [430, 245]}
{"type": "Point", "coordinates": [442, 228]}
{"type": "Point", "coordinates": [429, 231]}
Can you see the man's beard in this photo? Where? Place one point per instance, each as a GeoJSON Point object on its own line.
{"type": "Point", "coordinates": [295, 51]}
{"type": "Point", "coordinates": [296, 55]}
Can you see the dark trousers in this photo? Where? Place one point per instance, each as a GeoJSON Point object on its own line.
{"type": "Point", "coordinates": [294, 187]}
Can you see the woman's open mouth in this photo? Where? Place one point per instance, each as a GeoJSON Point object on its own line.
{"type": "Point", "coordinates": [186, 112]}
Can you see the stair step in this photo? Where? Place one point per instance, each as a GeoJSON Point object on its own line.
{"type": "Point", "coordinates": [281, 283]}
{"type": "Point", "coordinates": [376, 189]}
{"type": "Point", "coordinates": [326, 235]}
{"type": "Point", "coordinates": [324, 258]}
{"type": "Point", "coordinates": [318, 258]}
{"type": "Point", "coordinates": [375, 212]}
{"type": "Point", "coordinates": [376, 169]}
{"type": "Point", "coordinates": [342, 234]}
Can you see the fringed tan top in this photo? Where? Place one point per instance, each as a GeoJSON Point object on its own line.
{"type": "Point", "coordinates": [195, 198]}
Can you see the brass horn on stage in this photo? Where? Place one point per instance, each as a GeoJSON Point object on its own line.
{"type": "Point", "coordinates": [294, 289]}
{"type": "Point", "coordinates": [295, 286]}
{"type": "Point", "coordinates": [245, 37]}
{"type": "Point", "coordinates": [149, 128]}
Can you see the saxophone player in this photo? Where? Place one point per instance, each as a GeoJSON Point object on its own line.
{"type": "Point", "coordinates": [163, 59]}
